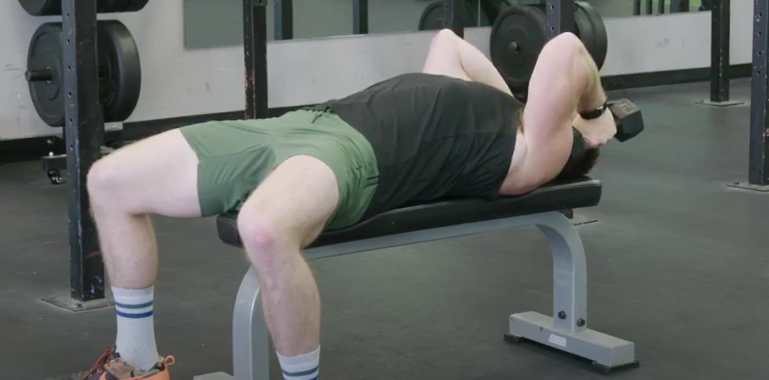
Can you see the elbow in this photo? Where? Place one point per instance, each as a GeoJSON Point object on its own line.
{"type": "Point", "coordinates": [570, 58]}
{"type": "Point", "coordinates": [566, 45]}
{"type": "Point", "coordinates": [566, 49]}
{"type": "Point", "coordinates": [443, 37]}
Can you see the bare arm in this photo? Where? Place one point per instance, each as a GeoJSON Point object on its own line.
{"type": "Point", "coordinates": [453, 56]}
{"type": "Point", "coordinates": [565, 80]}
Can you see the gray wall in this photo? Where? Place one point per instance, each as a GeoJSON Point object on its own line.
{"type": "Point", "coordinates": [178, 81]}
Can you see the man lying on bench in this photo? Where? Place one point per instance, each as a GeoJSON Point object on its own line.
{"type": "Point", "coordinates": [453, 130]}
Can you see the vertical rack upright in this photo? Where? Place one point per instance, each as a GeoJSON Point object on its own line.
{"type": "Point", "coordinates": [560, 16]}
{"type": "Point", "coordinates": [82, 131]}
{"type": "Point", "coordinates": [255, 51]}
{"type": "Point", "coordinates": [758, 166]}
{"type": "Point", "coordinates": [453, 11]}
{"type": "Point", "coordinates": [284, 19]}
{"type": "Point", "coordinates": [719, 51]}
{"type": "Point", "coordinates": [677, 6]}
{"type": "Point", "coordinates": [360, 16]}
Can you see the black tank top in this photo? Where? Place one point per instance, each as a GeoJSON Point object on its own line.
{"type": "Point", "coordinates": [434, 137]}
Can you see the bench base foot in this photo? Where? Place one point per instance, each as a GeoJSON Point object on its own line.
{"type": "Point", "coordinates": [66, 302]}
{"type": "Point", "coordinates": [214, 376]}
{"type": "Point", "coordinates": [606, 352]}
{"type": "Point", "coordinates": [748, 186]}
{"type": "Point", "coordinates": [726, 103]}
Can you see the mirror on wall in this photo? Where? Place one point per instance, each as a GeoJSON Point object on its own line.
{"type": "Point", "coordinates": [219, 23]}
{"type": "Point", "coordinates": [629, 8]}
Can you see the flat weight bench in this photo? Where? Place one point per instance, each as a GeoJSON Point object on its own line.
{"type": "Point", "coordinates": [566, 330]}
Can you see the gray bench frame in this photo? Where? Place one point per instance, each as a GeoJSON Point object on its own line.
{"type": "Point", "coordinates": [566, 330]}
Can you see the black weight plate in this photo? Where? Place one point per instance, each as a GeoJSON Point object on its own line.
{"type": "Point", "coordinates": [41, 7]}
{"type": "Point", "coordinates": [111, 6]}
{"type": "Point", "coordinates": [583, 28]}
{"type": "Point", "coordinates": [46, 52]}
{"type": "Point", "coordinates": [601, 36]}
{"type": "Point", "coordinates": [474, 12]}
{"type": "Point", "coordinates": [136, 5]}
{"type": "Point", "coordinates": [493, 8]}
{"type": "Point", "coordinates": [432, 16]}
{"type": "Point", "coordinates": [516, 40]}
{"type": "Point", "coordinates": [119, 71]}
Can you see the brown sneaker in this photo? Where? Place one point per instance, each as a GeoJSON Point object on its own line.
{"type": "Point", "coordinates": [110, 367]}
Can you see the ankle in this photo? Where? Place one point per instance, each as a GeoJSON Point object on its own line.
{"type": "Point", "coordinates": [300, 367]}
{"type": "Point", "coordinates": [135, 341]}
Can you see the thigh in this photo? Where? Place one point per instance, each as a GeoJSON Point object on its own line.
{"type": "Point", "coordinates": [157, 175]}
{"type": "Point", "coordinates": [295, 201]}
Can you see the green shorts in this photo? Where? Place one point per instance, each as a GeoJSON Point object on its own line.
{"type": "Point", "coordinates": [236, 156]}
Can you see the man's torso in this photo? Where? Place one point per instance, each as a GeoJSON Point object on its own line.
{"type": "Point", "coordinates": [434, 137]}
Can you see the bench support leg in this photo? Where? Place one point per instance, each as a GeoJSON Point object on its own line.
{"type": "Point", "coordinates": [250, 337]}
{"type": "Point", "coordinates": [567, 329]}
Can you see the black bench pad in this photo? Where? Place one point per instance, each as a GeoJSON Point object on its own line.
{"type": "Point", "coordinates": [556, 196]}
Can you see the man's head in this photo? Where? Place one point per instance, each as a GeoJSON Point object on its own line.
{"type": "Point", "coordinates": [580, 166]}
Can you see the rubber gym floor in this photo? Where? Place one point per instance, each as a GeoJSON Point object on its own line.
{"type": "Point", "coordinates": [677, 262]}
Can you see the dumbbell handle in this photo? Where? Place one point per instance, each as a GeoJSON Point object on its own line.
{"type": "Point", "coordinates": [41, 75]}
{"type": "Point", "coordinates": [628, 118]}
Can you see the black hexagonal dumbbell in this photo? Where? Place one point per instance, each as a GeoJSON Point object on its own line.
{"type": "Point", "coordinates": [627, 117]}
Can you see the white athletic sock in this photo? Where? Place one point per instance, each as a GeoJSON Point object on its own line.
{"type": "Point", "coordinates": [135, 328]}
{"type": "Point", "coordinates": [302, 367]}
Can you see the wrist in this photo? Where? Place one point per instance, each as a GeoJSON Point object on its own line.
{"type": "Point", "coordinates": [593, 113]}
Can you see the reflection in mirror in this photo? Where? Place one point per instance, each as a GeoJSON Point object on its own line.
{"type": "Point", "coordinates": [627, 8]}
{"type": "Point", "coordinates": [217, 23]}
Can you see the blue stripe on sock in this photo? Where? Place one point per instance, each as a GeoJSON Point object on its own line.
{"type": "Point", "coordinates": [303, 373]}
{"type": "Point", "coordinates": [127, 306]}
{"type": "Point", "coordinates": [134, 316]}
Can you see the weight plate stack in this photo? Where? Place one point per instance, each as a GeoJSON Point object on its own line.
{"type": "Point", "coordinates": [45, 62]}
{"type": "Point", "coordinates": [118, 64]}
{"type": "Point", "coordinates": [120, 71]}
{"type": "Point", "coordinates": [592, 31]}
{"type": "Point", "coordinates": [112, 6]}
{"type": "Point", "coordinates": [493, 8]}
{"type": "Point", "coordinates": [518, 36]}
{"type": "Point", "coordinates": [136, 5]}
{"type": "Point", "coordinates": [41, 7]}
{"type": "Point", "coordinates": [583, 28]}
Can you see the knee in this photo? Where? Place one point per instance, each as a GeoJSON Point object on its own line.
{"type": "Point", "coordinates": [567, 44]}
{"type": "Point", "coordinates": [443, 39]}
{"type": "Point", "coordinates": [262, 240]}
{"type": "Point", "coordinates": [103, 181]}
